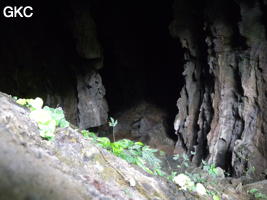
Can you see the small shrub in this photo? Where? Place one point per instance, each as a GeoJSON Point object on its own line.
{"type": "Point", "coordinates": [47, 118]}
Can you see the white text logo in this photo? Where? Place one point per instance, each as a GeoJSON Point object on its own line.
{"type": "Point", "coordinates": [20, 11]}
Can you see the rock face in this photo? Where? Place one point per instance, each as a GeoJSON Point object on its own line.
{"type": "Point", "coordinates": [84, 30]}
{"type": "Point", "coordinates": [92, 106]}
{"type": "Point", "coordinates": [222, 109]}
{"type": "Point", "coordinates": [70, 167]}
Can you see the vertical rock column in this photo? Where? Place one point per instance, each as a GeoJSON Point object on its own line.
{"type": "Point", "coordinates": [92, 105]}
{"type": "Point", "coordinates": [222, 108]}
{"type": "Point", "coordinates": [223, 60]}
{"type": "Point", "coordinates": [184, 28]}
{"type": "Point", "coordinates": [251, 149]}
{"type": "Point", "coordinates": [237, 140]}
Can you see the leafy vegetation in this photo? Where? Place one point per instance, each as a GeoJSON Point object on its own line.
{"type": "Point", "coordinates": [194, 181]}
{"type": "Point", "coordinates": [88, 134]}
{"type": "Point", "coordinates": [133, 152]}
{"type": "Point", "coordinates": [139, 154]}
{"type": "Point", "coordinates": [47, 118]}
{"type": "Point", "coordinates": [211, 169]}
{"type": "Point", "coordinates": [183, 160]}
{"type": "Point", "coordinates": [257, 194]}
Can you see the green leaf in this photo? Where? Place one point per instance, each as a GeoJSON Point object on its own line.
{"type": "Point", "coordinates": [113, 122]}
{"type": "Point", "coordinates": [185, 157]}
{"type": "Point", "coordinates": [36, 103]}
{"type": "Point", "coordinates": [47, 129]}
{"type": "Point", "coordinates": [85, 133]}
{"type": "Point", "coordinates": [204, 162]}
{"type": "Point", "coordinates": [139, 144]}
{"type": "Point", "coordinates": [253, 191]}
{"type": "Point", "coordinates": [116, 148]}
{"type": "Point", "coordinates": [125, 143]}
{"type": "Point", "coordinates": [186, 164]}
{"type": "Point", "coordinates": [216, 197]}
{"type": "Point", "coordinates": [22, 102]}
{"type": "Point", "coordinates": [63, 123]}
{"type": "Point", "coordinates": [159, 172]}
{"type": "Point", "coordinates": [141, 163]}
{"type": "Point", "coordinates": [104, 142]}
{"type": "Point", "coordinates": [40, 116]}
{"type": "Point", "coordinates": [176, 157]}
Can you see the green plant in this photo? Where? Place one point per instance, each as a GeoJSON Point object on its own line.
{"type": "Point", "coordinates": [257, 194]}
{"type": "Point", "coordinates": [213, 194]}
{"type": "Point", "coordinates": [139, 154]}
{"type": "Point", "coordinates": [112, 123]}
{"type": "Point", "coordinates": [57, 114]}
{"type": "Point", "coordinates": [211, 169]}
{"type": "Point", "coordinates": [88, 134]}
{"type": "Point", "coordinates": [250, 171]}
{"type": "Point", "coordinates": [47, 118]}
{"type": "Point", "coordinates": [133, 152]}
{"type": "Point", "coordinates": [197, 178]}
{"type": "Point", "coordinates": [171, 176]}
{"type": "Point", "coordinates": [32, 104]}
{"type": "Point", "coordinates": [184, 160]}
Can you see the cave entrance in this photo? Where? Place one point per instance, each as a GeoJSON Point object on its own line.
{"type": "Point", "coordinates": [142, 62]}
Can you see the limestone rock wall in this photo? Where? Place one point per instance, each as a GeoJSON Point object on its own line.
{"type": "Point", "coordinates": [92, 106]}
{"type": "Point", "coordinates": [222, 106]}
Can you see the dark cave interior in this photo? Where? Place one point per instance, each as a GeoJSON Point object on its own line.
{"type": "Point", "coordinates": [144, 60]}
{"type": "Point", "coordinates": [141, 59]}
